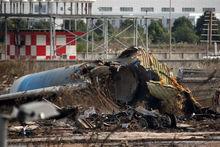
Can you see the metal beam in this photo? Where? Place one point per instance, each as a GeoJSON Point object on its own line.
{"type": "Point", "coordinates": [75, 16]}
{"type": "Point", "coordinates": [6, 37]}
{"type": "Point", "coordinates": [135, 32]}
{"type": "Point", "coordinates": [51, 38]}
{"type": "Point", "coordinates": [106, 36]}
{"type": "Point", "coordinates": [92, 26]}
{"type": "Point", "coordinates": [170, 31]}
{"type": "Point", "coordinates": [54, 37]}
{"type": "Point", "coordinates": [87, 38]}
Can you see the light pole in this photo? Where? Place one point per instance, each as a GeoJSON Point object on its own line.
{"type": "Point", "coordinates": [170, 33]}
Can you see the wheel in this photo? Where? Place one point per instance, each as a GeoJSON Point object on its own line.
{"type": "Point", "coordinates": [173, 120]}
{"type": "Point", "coordinates": [143, 123]}
{"type": "Point", "coordinates": [153, 123]}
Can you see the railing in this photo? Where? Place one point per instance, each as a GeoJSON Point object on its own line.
{"type": "Point", "coordinates": [159, 55]}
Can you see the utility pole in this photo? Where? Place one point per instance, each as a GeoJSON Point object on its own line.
{"type": "Point", "coordinates": [135, 32]}
{"type": "Point", "coordinates": [87, 38]}
{"type": "Point", "coordinates": [147, 32]}
{"type": "Point", "coordinates": [92, 27]}
{"type": "Point", "coordinates": [105, 30]}
{"type": "Point", "coordinates": [170, 32]}
{"type": "Point", "coordinates": [51, 37]}
{"type": "Point", "coordinates": [6, 38]}
{"type": "Point", "coordinates": [210, 31]}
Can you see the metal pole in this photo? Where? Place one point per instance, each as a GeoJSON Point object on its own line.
{"type": "Point", "coordinates": [210, 31]}
{"type": "Point", "coordinates": [170, 33]}
{"type": "Point", "coordinates": [54, 37]}
{"type": "Point", "coordinates": [87, 38]}
{"type": "Point", "coordinates": [3, 131]}
{"type": "Point", "coordinates": [135, 32]}
{"type": "Point", "coordinates": [6, 37]}
{"type": "Point", "coordinates": [147, 47]}
{"type": "Point", "coordinates": [51, 37]}
{"type": "Point", "coordinates": [70, 24]}
{"type": "Point", "coordinates": [207, 44]}
{"type": "Point", "coordinates": [75, 26]}
{"type": "Point", "coordinates": [106, 36]}
{"type": "Point", "coordinates": [134, 43]}
{"type": "Point", "coordinates": [92, 38]}
{"type": "Point", "coordinates": [28, 24]}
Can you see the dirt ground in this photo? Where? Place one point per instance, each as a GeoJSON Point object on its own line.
{"type": "Point", "coordinates": [205, 132]}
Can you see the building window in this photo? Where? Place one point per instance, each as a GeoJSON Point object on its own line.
{"type": "Point", "coordinates": [61, 8]}
{"type": "Point", "coordinates": [167, 9]}
{"type": "Point", "coordinates": [147, 9]}
{"type": "Point", "coordinates": [126, 9]}
{"type": "Point", "coordinates": [105, 8]}
{"type": "Point", "coordinates": [208, 9]}
{"type": "Point", "coordinates": [40, 8]}
{"type": "Point", "coordinates": [188, 9]}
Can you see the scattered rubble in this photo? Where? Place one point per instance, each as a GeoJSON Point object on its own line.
{"type": "Point", "coordinates": [133, 92]}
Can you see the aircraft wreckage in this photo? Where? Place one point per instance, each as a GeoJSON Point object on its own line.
{"type": "Point", "coordinates": [133, 82]}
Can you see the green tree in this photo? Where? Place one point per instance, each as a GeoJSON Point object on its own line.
{"type": "Point", "coordinates": [157, 32]}
{"type": "Point", "coordinates": [99, 31]}
{"type": "Point", "coordinates": [126, 23]}
{"type": "Point", "coordinates": [42, 24]}
{"type": "Point", "coordinates": [15, 24]}
{"type": "Point", "coordinates": [182, 21]}
{"type": "Point", "coordinates": [199, 25]}
{"type": "Point", "coordinates": [183, 31]}
{"type": "Point", "coordinates": [75, 25]}
{"type": "Point", "coordinates": [185, 34]}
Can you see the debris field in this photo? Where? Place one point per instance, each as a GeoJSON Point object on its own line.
{"type": "Point", "coordinates": [134, 92]}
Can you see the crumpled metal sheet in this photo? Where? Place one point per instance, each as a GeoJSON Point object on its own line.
{"type": "Point", "coordinates": [168, 94]}
{"type": "Point", "coordinates": [147, 60]}
{"type": "Point", "coordinates": [162, 92]}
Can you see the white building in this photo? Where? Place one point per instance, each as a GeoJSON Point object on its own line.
{"type": "Point", "coordinates": [192, 9]}
{"type": "Point", "coordinates": [44, 7]}
{"type": "Point", "coordinates": [155, 8]}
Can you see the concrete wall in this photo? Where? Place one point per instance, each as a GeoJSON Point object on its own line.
{"type": "Point", "coordinates": [159, 55]}
{"type": "Point", "coordinates": [34, 66]}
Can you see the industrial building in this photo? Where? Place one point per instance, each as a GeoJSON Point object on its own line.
{"type": "Point", "coordinates": [192, 9]}
{"type": "Point", "coordinates": [154, 8]}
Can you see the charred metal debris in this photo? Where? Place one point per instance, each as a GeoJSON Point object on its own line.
{"type": "Point", "coordinates": [141, 91]}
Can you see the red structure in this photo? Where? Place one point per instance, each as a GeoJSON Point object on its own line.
{"type": "Point", "coordinates": [37, 45]}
